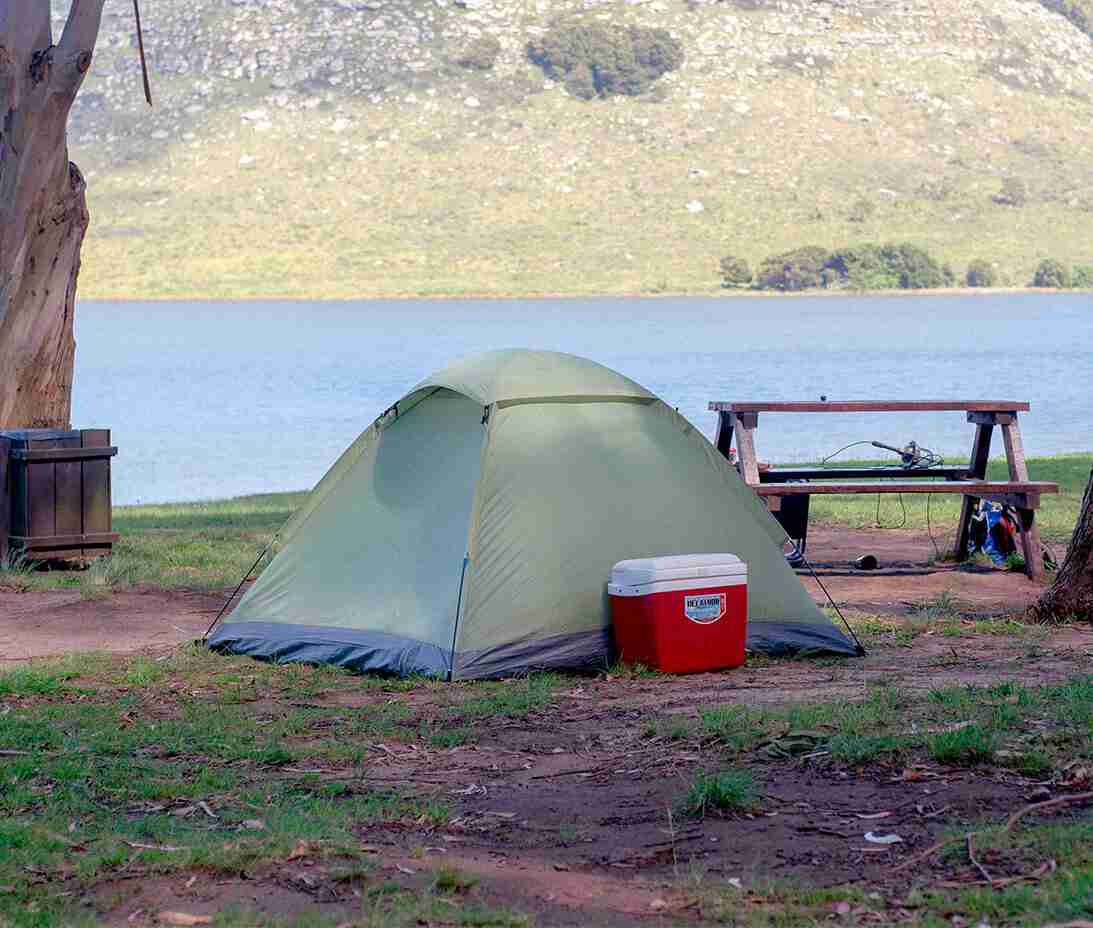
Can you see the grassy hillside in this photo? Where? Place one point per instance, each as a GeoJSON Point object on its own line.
{"type": "Point", "coordinates": [341, 150]}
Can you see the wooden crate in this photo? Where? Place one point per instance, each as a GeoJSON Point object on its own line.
{"type": "Point", "coordinates": [55, 494]}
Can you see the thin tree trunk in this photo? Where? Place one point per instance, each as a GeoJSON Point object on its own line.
{"type": "Point", "coordinates": [1071, 595]}
{"type": "Point", "coordinates": [43, 210]}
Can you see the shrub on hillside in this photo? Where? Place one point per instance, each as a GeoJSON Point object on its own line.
{"type": "Point", "coordinates": [735, 272]}
{"type": "Point", "coordinates": [596, 59]}
{"type": "Point", "coordinates": [863, 267]}
{"type": "Point", "coordinates": [800, 269]}
{"type": "Point", "coordinates": [981, 274]}
{"type": "Point", "coordinates": [1051, 273]}
{"type": "Point", "coordinates": [1082, 276]}
{"type": "Point", "coordinates": [1013, 192]}
{"type": "Point", "coordinates": [480, 54]}
{"type": "Point", "coordinates": [895, 266]}
{"type": "Point", "coordinates": [914, 267]}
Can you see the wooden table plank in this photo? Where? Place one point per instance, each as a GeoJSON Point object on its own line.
{"type": "Point", "coordinates": [874, 406]}
{"type": "Point", "coordinates": [892, 472]}
{"type": "Point", "coordinates": [982, 487]}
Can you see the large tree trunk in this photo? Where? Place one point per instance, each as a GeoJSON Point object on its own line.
{"type": "Point", "coordinates": [1071, 595]}
{"type": "Point", "coordinates": [43, 212]}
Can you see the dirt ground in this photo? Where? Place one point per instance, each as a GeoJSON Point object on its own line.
{"type": "Point", "coordinates": [47, 624]}
{"type": "Point", "coordinates": [568, 814]}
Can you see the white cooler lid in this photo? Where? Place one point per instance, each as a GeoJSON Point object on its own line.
{"type": "Point", "coordinates": [676, 567]}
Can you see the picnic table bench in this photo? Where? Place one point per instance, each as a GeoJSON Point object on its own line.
{"type": "Point", "coordinates": [787, 490]}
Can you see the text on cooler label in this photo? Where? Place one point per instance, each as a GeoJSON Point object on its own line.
{"type": "Point", "coordinates": [704, 608]}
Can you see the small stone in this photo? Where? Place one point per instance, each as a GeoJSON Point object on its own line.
{"type": "Point", "coordinates": [695, 206]}
{"type": "Point", "coordinates": [472, 102]}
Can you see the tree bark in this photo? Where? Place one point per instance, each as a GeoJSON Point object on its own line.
{"type": "Point", "coordinates": [43, 210]}
{"type": "Point", "coordinates": [1071, 595]}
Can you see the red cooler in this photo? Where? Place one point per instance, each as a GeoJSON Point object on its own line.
{"type": "Point", "coordinates": [680, 614]}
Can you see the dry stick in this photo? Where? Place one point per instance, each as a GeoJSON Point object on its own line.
{"type": "Point", "coordinates": [929, 852]}
{"type": "Point", "coordinates": [971, 856]}
{"type": "Point", "coordinates": [1049, 804]}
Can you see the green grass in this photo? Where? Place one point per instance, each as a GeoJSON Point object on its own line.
{"type": "Point", "coordinates": [720, 792]}
{"type": "Point", "coordinates": [963, 747]}
{"type": "Point", "coordinates": [105, 756]}
{"type": "Point", "coordinates": [508, 699]}
{"type": "Point", "coordinates": [1030, 729]}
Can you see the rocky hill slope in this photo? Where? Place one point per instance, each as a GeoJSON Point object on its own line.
{"type": "Point", "coordinates": [361, 147]}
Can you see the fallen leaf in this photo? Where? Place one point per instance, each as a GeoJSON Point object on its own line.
{"type": "Point", "coordinates": [184, 918]}
{"type": "Point", "coordinates": [561, 867]}
{"type": "Point", "coordinates": [253, 824]}
{"type": "Point", "coordinates": [883, 839]}
{"type": "Point", "coordinates": [842, 908]}
{"type": "Point", "coordinates": [401, 869]}
{"type": "Point", "coordinates": [658, 905]}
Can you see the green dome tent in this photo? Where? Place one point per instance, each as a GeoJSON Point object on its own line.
{"type": "Point", "coordinates": [469, 532]}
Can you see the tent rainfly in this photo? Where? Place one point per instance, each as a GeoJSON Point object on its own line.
{"type": "Point", "coordinates": [469, 532]}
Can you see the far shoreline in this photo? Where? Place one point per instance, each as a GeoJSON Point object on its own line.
{"type": "Point", "coordinates": [720, 293]}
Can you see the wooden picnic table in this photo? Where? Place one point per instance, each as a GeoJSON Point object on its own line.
{"type": "Point", "coordinates": [787, 489]}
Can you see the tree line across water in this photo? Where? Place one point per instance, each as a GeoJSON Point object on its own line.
{"type": "Point", "coordinates": [894, 266]}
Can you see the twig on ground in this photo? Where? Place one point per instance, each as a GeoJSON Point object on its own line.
{"type": "Point", "coordinates": [1045, 868]}
{"type": "Point", "coordinates": [565, 773]}
{"type": "Point", "coordinates": [970, 838]}
{"type": "Point", "coordinates": [1049, 804]}
{"type": "Point", "coordinates": [154, 847]}
{"type": "Point", "coordinates": [929, 852]}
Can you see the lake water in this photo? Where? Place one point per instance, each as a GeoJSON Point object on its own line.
{"type": "Point", "coordinates": [209, 400]}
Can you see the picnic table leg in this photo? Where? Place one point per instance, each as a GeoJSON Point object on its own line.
{"type": "Point", "coordinates": [745, 424]}
{"type": "Point", "coordinates": [1018, 469]}
{"type": "Point", "coordinates": [723, 439]}
{"type": "Point", "coordinates": [977, 468]}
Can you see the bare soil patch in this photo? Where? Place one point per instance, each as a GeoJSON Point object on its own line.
{"type": "Point", "coordinates": [570, 813]}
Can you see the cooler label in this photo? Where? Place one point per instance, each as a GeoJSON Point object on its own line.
{"type": "Point", "coordinates": [705, 608]}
